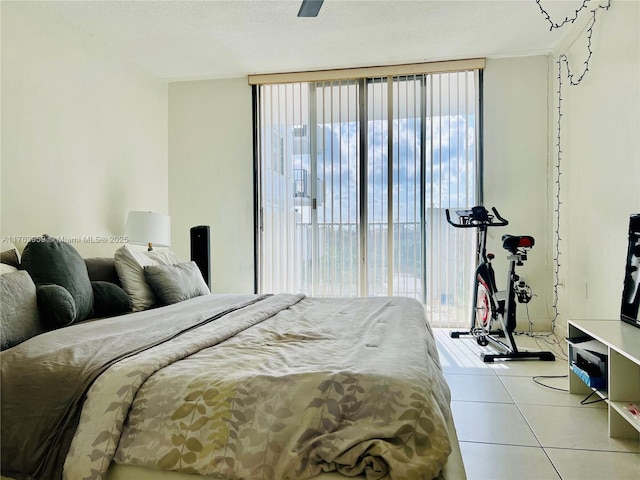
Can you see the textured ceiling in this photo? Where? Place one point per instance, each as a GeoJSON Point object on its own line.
{"type": "Point", "coordinates": [178, 40]}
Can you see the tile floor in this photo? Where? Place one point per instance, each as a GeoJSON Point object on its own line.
{"type": "Point", "coordinates": [512, 428]}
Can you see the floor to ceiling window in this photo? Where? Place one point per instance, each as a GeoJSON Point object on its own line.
{"type": "Point", "coordinates": [353, 177]}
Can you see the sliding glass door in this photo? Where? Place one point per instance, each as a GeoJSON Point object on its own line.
{"type": "Point", "coordinates": [309, 184]}
{"type": "Point", "coordinates": [353, 180]}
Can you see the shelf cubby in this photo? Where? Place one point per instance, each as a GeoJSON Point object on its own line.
{"type": "Point", "coordinates": [622, 342]}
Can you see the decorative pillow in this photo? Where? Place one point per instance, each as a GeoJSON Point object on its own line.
{"type": "Point", "coordinates": [109, 300]}
{"type": "Point", "coordinates": [130, 266]}
{"type": "Point", "coordinates": [4, 268]}
{"type": "Point", "coordinates": [175, 283]}
{"type": "Point", "coordinates": [50, 261]}
{"type": "Point", "coordinates": [19, 315]}
{"type": "Point", "coordinates": [10, 257]}
{"type": "Point", "coordinates": [57, 306]}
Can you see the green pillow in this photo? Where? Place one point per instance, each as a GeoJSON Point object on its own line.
{"type": "Point", "coordinates": [50, 261]}
{"type": "Point", "coordinates": [109, 300]}
{"type": "Point", "coordinates": [57, 307]}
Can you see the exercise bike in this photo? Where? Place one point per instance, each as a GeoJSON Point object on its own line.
{"type": "Point", "coordinates": [494, 309]}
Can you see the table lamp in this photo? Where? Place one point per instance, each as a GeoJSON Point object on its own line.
{"type": "Point", "coordinates": [148, 228]}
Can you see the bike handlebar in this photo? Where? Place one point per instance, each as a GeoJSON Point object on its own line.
{"type": "Point", "coordinates": [477, 217]}
{"type": "Point", "coordinates": [457, 225]}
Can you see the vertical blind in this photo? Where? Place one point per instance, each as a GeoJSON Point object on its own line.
{"type": "Point", "coordinates": [353, 179]}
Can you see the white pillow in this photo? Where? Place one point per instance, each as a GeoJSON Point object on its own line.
{"type": "Point", "coordinates": [4, 268]}
{"type": "Point", "coordinates": [130, 267]}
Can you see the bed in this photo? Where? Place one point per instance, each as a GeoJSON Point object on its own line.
{"type": "Point", "coordinates": [236, 387]}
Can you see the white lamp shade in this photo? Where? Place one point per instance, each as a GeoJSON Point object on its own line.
{"type": "Point", "coordinates": [144, 228]}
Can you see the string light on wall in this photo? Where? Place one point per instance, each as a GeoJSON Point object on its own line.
{"type": "Point", "coordinates": [574, 80]}
{"type": "Point", "coordinates": [566, 19]}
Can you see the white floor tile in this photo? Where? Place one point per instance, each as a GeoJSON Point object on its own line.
{"type": "Point", "coordinates": [477, 388]}
{"type": "Point", "coordinates": [502, 440]}
{"type": "Point", "coordinates": [463, 356]}
{"type": "Point", "coordinates": [491, 423]}
{"type": "Point", "coordinates": [590, 465]}
{"type": "Point", "coordinates": [485, 461]}
{"type": "Point", "coordinates": [457, 357]}
{"type": "Point", "coordinates": [525, 391]}
{"type": "Point", "coordinates": [574, 427]}
{"type": "Point", "coordinates": [529, 367]}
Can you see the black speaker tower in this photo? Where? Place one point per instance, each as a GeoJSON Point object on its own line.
{"type": "Point", "coordinates": [201, 251]}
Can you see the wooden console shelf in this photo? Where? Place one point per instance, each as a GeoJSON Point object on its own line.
{"type": "Point", "coordinates": [623, 345]}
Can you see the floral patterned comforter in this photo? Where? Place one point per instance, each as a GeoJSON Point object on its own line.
{"type": "Point", "coordinates": [287, 387]}
{"type": "Point", "coordinates": [45, 379]}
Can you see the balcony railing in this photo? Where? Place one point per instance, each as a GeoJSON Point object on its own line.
{"type": "Point", "coordinates": [445, 288]}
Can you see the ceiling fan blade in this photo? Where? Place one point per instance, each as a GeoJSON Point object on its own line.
{"type": "Point", "coordinates": [310, 8]}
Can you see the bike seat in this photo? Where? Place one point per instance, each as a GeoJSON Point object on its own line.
{"type": "Point", "coordinates": [512, 243]}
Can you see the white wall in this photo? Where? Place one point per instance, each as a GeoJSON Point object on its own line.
{"type": "Point", "coordinates": [600, 188]}
{"type": "Point", "coordinates": [84, 135]}
{"type": "Point", "coordinates": [515, 173]}
{"type": "Point", "coordinates": [211, 175]}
